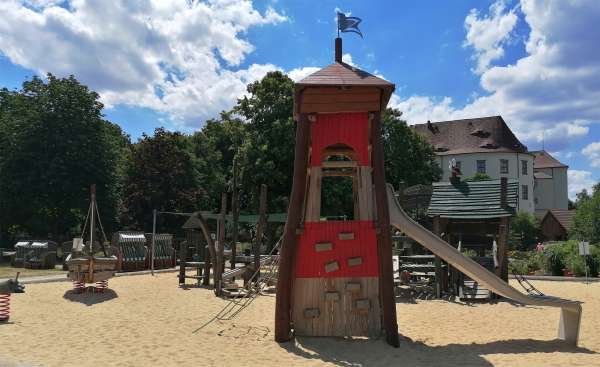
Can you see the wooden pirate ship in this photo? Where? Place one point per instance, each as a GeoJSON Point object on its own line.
{"type": "Point", "coordinates": [335, 276]}
{"type": "Point", "coordinates": [84, 266]}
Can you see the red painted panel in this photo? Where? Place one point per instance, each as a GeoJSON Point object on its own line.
{"type": "Point", "coordinates": [351, 129]}
{"type": "Point", "coordinates": [311, 264]}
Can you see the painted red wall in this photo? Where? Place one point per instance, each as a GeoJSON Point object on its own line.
{"type": "Point", "coordinates": [311, 264]}
{"type": "Point", "coordinates": [351, 129]}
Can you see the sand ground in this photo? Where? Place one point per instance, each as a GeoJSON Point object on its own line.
{"type": "Point", "coordinates": [149, 321]}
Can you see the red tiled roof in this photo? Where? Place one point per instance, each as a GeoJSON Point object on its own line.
{"type": "Point", "coordinates": [485, 134]}
{"type": "Point", "coordinates": [543, 159]}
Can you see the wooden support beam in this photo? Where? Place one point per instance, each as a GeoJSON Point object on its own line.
{"type": "Point", "coordinates": [260, 228]}
{"type": "Point", "coordinates": [502, 269]}
{"type": "Point", "coordinates": [220, 263]}
{"type": "Point", "coordinates": [235, 209]}
{"type": "Point", "coordinates": [437, 230]}
{"type": "Point", "coordinates": [384, 240]}
{"type": "Point", "coordinates": [288, 246]}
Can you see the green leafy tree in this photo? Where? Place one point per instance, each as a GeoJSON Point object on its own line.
{"type": "Point", "coordinates": [163, 175]}
{"type": "Point", "coordinates": [524, 231]}
{"type": "Point", "coordinates": [408, 157]}
{"type": "Point", "coordinates": [215, 147]}
{"type": "Point", "coordinates": [586, 224]}
{"type": "Point", "coordinates": [267, 151]}
{"type": "Point", "coordinates": [54, 145]}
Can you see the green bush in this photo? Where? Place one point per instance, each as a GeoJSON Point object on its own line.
{"type": "Point", "coordinates": [469, 252]}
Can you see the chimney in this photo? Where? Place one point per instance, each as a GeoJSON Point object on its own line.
{"type": "Point", "coordinates": [338, 49]}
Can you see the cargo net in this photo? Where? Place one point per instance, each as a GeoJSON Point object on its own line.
{"type": "Point", "coordinates": [255, 287]}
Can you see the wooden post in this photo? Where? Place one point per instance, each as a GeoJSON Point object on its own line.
{"type": "Point", "coordinates": [260, 229]}
{"type": "Point", "coordinates": [183, 255]}
{"type": "Point", "coordinates": [384, 240]}
{"type": "Point", "coordinates": [288, 246]}
{"type": "Point", "coordinates": [235, 209]}
{"type": "Point", "coordinates": [437, 230]}
{"type": "Point", "coordinates": [502, 269]}
{"type": "Point", "coordinates": [220, 263]}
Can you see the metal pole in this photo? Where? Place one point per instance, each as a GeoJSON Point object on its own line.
{"type": "Point", "coordinates": [154, 213]}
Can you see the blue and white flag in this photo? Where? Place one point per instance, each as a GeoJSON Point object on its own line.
{"type": "Point", "coordinates": [348, 24]}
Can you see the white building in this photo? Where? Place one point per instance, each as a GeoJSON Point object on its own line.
{"type": "Point", "coordinates": [551, 186]}
{"type": "Point", "coordinates": [483, 145]}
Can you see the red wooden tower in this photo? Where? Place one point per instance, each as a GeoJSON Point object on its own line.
{"type": "Point", "coordinates": [335, 276]}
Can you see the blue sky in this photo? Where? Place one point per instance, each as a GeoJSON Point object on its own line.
{"type": "Point", "coordinates": [176, 63]}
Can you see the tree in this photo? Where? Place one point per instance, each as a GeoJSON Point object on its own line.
{"type": "Point", "coordinates": [215, 147]}
{"type": "Point", "coordinates": [267, 152]}
{"type": "Point", "coordinates": [586, 224]}
{"type": "Point", "coordinates": [163, 175]}
{"type": "Point", "coordinates": [54, 145]}
{"type": "Point", "coordinates": [524, 231]}
{"type": "Point", "coordinates": [408, 157]}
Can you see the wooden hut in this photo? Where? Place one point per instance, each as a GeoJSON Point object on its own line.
{"type": "Point", "coordinates": [556, 223]}
{"type": "Point", "coordinates": [335, 276]}
{"type": "Point", "coordinates": [475, 216]}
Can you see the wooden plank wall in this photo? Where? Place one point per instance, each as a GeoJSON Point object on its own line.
{"type": "Point", "coordinates": [334, 99]}
{"type": "Point", "coordinates": [339, 317]}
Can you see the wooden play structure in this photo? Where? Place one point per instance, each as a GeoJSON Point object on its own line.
{"type": "Point", "coordinates": [336, 277]}
{"type": "Point", "coordinates": [84, 266]}
{"type": "Point", "coordinates": [473, 216]}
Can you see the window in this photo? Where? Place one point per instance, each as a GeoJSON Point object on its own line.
{"type": "Point", "coordinates": [525, 192]}
{"type": "Point", "coordinates": [524, 167]}
{"type": "Point", "coordinates": [504, 166]}
{"type": "Point", "coordinates": [458, 165]}
{"type": "Point", "coordinates": [481, 166]}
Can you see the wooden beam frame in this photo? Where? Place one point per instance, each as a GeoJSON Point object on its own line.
{"type": "Point", "coordinates": [288, 246]}
{"type": "Point", "coordinates": [384, 240]}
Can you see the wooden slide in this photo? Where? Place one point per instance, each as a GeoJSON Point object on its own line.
{"type": "Point", "coordinates": [570, 316]}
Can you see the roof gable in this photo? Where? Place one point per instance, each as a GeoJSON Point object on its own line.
{"type": "Point", "coordinates": [563, 217]}
{"type": "Point", "coordinates": [340, 73]}
{"type": "Point", "coordinates": [543, 159]}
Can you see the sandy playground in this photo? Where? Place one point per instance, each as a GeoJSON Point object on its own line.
{"type": "Point", "coordinates": [149, 321]}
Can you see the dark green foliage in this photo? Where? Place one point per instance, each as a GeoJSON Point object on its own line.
{"type": "Point", "coordinates": [408, 157]}
{"type": "Point", "coordinates": [524, 231]}
{"type": "Point", "coordinates": [267, 152]}
{"type": "Point", "coordinates": [586, 224]}
{"type": "Point", "coordinates": [215, 147]}
{"type": "Point", "coordinates": [54, 144]}
{"type": "Point", "coordinates": [337, 198]}
{"type": "Point", "coordinates": [162, 175]}
{"type": "Point", "coordinates": [478, 177]}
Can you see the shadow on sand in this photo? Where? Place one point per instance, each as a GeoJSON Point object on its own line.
{"type": "Point", "coordinates": [364, 352]}
{"type": "Point", "coordinates": [90, 298]}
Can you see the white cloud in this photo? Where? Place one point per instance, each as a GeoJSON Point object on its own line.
{"type": "Point", "coordinates": [553, 88]}
{"type": "Point", "coordinates": [487, 35]}
{"type": "Point", "coordinates": [301, 73]}
{"type": "Point", "coordinates": [592, 153]}
{"type": "Point", "coordinates": [347, 58]}
{"type": "Point", "coordinates": [175, 56]}
{"type": "Point", "coordinates": [579, 180]}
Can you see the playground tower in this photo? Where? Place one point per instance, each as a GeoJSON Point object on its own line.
{"type": "Point", "coordinates": [335, 276]}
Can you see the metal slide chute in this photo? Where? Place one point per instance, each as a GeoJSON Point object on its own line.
{"type": "Point", "coordinates": [570, 310]}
